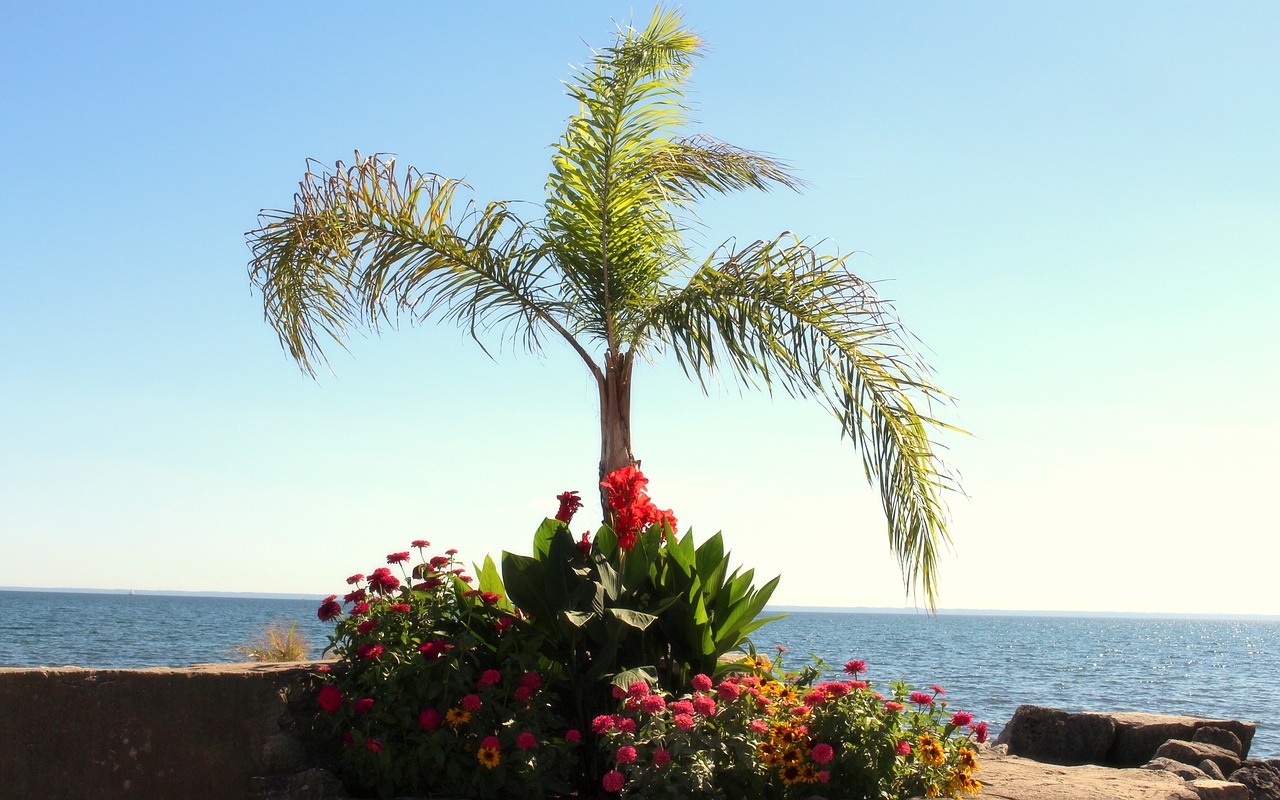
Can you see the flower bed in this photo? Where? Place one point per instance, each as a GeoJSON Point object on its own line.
{"type": "Point", "coordinates": [592, 668]}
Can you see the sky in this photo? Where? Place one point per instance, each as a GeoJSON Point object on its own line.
{"type": "Point", "coordinates": [1074, 206]}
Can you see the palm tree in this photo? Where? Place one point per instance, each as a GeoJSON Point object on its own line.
{"type": "Point", "coordinates": [607, 270]}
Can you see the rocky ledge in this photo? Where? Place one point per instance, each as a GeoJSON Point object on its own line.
{"type": "Point", "coordinates": [1049, 754]}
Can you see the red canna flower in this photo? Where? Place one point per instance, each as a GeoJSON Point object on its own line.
{"type": "Point", "coordinates": [569, 505]}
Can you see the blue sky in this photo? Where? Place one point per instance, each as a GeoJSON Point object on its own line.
{"type": "Point", "coordinates": [1076, 207]}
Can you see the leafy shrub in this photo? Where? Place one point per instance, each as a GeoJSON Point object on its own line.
{"type": "Point", "coordinates": [442, 687]}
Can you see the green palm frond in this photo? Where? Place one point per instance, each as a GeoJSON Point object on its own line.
{"type": "Point", "coordinates": [780, 314]}
{"type": "Point", "coordinates": [366, 244]}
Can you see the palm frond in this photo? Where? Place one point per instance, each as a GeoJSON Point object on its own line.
{"type": "Point", "coordinates": [778, 313]}
{"type": "Point", "coordinates": [364, 244]}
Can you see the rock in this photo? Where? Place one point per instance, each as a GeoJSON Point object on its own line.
{"type": "Point", "coordinates": [282, 753]}
{"type": "Point", "coordinates": [1184, 771]}
{"type": "Point", "coordinates": [1212, 770]}
{"type": "Point", "coordinates": [315, 784]}
{"type": "Point", "coordinates": [1058, 737]}
{"type": "Point", "coordinates": [1209, 789]}
{"type": "Point", "coordinates": [1139, 735]}
{"type": "Point", "coordinates": [1262, 778]}
{"type": "Point", "coordinates": [1221, 737]}
{"type": "Point", "coordinates": [1195, 752]}
{"type": "Point", "coordinates": [1013, 778]}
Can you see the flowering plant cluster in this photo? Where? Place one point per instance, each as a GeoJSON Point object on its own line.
{"type": "Point", "coordinates": [440, 686]}
{"type": "Point", "coordinates": [759, 733]}
{"type": "Point", "coordinates": [601, 680]}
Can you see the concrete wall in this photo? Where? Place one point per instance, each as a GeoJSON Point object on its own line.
{"type": "Point", "coordinates": [203, 732]}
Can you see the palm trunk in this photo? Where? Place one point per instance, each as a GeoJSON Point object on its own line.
{"type": "Point", "coordinates": [615, 421]}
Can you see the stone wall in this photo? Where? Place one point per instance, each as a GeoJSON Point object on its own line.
{"type": "Point", "coordinates": [209, 731]}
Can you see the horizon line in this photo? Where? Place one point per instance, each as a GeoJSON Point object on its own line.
{"type": "Point", "coordinates": [769, 609]}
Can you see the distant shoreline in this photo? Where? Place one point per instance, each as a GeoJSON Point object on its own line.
{"type": "Point", "coordinates": [769, 610]}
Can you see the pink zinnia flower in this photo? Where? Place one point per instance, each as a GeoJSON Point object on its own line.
{"type": "Point", "coordinates": [921, 698]}
{"type": "Point", "coordinates": [602, 724]}
{"type": "Point", "coordinates": [625, 724]}
{"type": "Point", "coordinates": [626, 754]}
{"type": "Point", "coordinates": [981, 730]}
{"type": "Point", "coordinates": [330, 698]}
{"type": "Point", "coordinates": [938, 690]}
{"type": "Point", "coordinates": [822, 753]}
{"type": "Point", "coordinates": [488, 678]}
{"type": "Point", "coordinates": [814, 698]}
{"type": "Point", "coordinates": [613, 781]}
{"type": "Point", "coordinates": [758, 726]}
{"type": "Point", "coordinates": [398, 558]}
{"type": "Point", "coordinates": [683, 721]}
{"type": "Point", "coordinates": [701, 683]}
{"type": "Point", "coordinates": [892, 706]}
{"type": "Point", "coordinates": [680, 707]}
{"type": "Point", "coordinates": [491, 742]}
{"type": "Point", "coordinates": [653, 704]}
{"type": "Point", "coordinates": [903, 748]}
{"type": "Point", "coordinates": [855, 667]}
{"type": "Point", "coordinates": [526, 741]}
{"type": "Point", "coordinates": [472, 702]}
{"type": "Point", "coordinates": [961, 718]}
{"type": "Point", "coordinates": [704, 705]}
{"type": "Point", "coordinates": [661, 757]}
{"type": "Point", "coordinates": [638, 689]}
{"type": "Point", "coordinates": [728, 691]}
{"type": "Point", "coordinates": [824, 776]}
{"type": "Point", "coordinates": [573, 735]}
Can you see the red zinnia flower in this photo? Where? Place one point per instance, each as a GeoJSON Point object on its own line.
{"type": "Point", "coordinates": [419, 543]}
{"type": "Point", "coordinates": [502, 623]}
{"type": "Point", "coordinates": [573, 735]}
{"type": "Point", "coordinates": [489, 598]}
{"type": "Point", "coordinates": [961, 718]}
{"type": "Point", "coordinates": [490, 742]}
{"type": "Point", "coordinates": [368, 625]}
{"type": "Point", "coordinates": [329, 609]}
{"type": "Point", "coordinates": [383, 581]}
{"type": "Point", "coordinates": [330, 698]}
{"type": "Point", "coordinates": [471, 702]}
{"type": "Point", "coordinates": [661, 757]}
{"type": "Point", "coordinates": [398, 558]}
{"type": "Point", "coordinates": [488, 678]}
{"type": "Point", "coordinates": [531, 680]}
{"type": "Point", "coordinates": [429, 719]}
{"type": "Point", "coordinates": [370, 651]}
{"type": "Point", "coordinates": [354, 579]}
{"type": "Point", "coordinates": [892, 706]}
{"type": "Point", "coordinates": [626, 754]}
{"type": "Point", "coordinates": [355, 596]}
{"type": "Point", "coordinates": [938, 690]}
{"type": "Point", "coordinates": [439, 561]}
{"type": "Point", "coordinates": [652, 704]}
{"type": "Point", "coordinates": [921, 698]}
{"type": "Point", "coordinates": [374, 745]}
{"type": "Point", "coordinates": [701, 683]}
{"type": "Point", "coordinates": [603, 723]}
{"type": "Point", "coordinates": [403, 608]}
{"type": "Point", "coordinates": [363, 704]}
{"type": "Point", "coordinates": [569, 505]}
{"type": "Point", "coordinates": [822, 753]}
{"type": "Point", "coordinates": [855, 667]}
{"type": "Point", "coordinates": [526, 741]}
{"type": "Point", "coordinates": [625, 724]}
{"type": "Point", "coordinates": [683, 721]}
{"type": "Point", "coordinates": [903, 748]}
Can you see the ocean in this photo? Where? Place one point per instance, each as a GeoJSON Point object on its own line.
{"type": "Point", "coordinates": [988, 664]}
